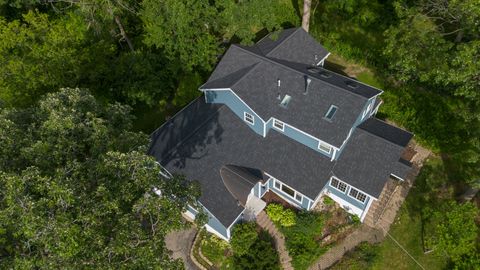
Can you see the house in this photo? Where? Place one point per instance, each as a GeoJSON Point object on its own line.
{"type": "Point", "coordinates": [272, 119]}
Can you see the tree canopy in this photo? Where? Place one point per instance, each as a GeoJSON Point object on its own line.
{"type": "Point", "coordinates": [76, 188]}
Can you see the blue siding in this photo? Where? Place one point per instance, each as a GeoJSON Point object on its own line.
{"type": "Point", "coordinates": [305, 201]}
{"type": "Point", "coordinates": [347, 198]}
{"type": "Point", "coordinates": [298, 136]}
{"type": "Point", "coordinates": [236, 105]}
{"type": "Point", "coordinates": [212, 222]}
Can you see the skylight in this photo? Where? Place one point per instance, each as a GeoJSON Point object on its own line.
{"type": "Point", "coordinates": [286, 99]}
{"type": "Point", "coordinates": [331, 112]}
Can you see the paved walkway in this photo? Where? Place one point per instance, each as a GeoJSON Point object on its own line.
{"type": "Point", "coordinates": [265, 223]}
{"type": "Point", "coordinates": [180, 244]}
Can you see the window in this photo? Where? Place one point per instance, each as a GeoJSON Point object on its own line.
{"type": "Point", "coordinates": [278, 125]}
{"type": "Point", "coordinates": [331, 112]}
{"type": "Point", "coordinates": [277, 184]}
{"type": "Point", "coordinates": [325, 147]}
{"type": "Point", "coordinates": [298, 197]}
{"type": "Point", "coordinates": [248, 118]}
{"type": "Point", "coordinates": [338, 185]}
{"type": "Point", "coordinates": [357, 195]}
{"type": "Point", "coordinates": [288, 190]}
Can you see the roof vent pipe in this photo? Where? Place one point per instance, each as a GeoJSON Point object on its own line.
{"type": "Point", "coordinates": [307, 84]}
{"type": "Point", "coordinates": [278, 89]}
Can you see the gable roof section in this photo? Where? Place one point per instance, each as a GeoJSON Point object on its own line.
{"type": "Point", "coordinates": [387, 132]}
{"type": "Point", "coordinates": [254, 77]}
{"type": "Point", "coordinates": [204, 140]}
{"type": "Point", "coordinates": [369, 159]}
{"type": "Point", "coordinates": [294, 45]}
{"type": "Point", "coordinates": [225, 139]}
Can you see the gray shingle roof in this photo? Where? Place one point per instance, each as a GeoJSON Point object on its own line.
{"type": "Point", "coordinates": [252, 73]}
{"type": "Point", "coordinates": [388, 132]}
{"type": "Point", "coordinates": [203, 138]}
{"type": "Point", "coordinates": [294, 45]}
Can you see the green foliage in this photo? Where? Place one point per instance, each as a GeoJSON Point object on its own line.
{"type": "Point", "coordinates": [301, 239]}
{"type": "Point", "coordinates": [183, 30]}
{"type": "Point", "coordinates": [328, 201]}
{"type": "Point", "coordinates": [355, 219]}
{"type": "Point", "coordinates": [362, 257]}
{"type": "Point", "coordinates": [285, 217]}
{"type": "Point", "coordinates": [243, 237]}
{"type": "Point", "coordinates": [214, 248]}
{"type": "Point", "coordinates": [79, 188]}
{"type": "Point", "coordinates": [452, 229]}
{"type": "Point", "coordinates": [261, 255]}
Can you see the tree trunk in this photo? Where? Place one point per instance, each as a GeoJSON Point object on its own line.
{"type": "Point", "coordinates": [123, 33]}
{"type": "Point", "coordinates": [306, 14]}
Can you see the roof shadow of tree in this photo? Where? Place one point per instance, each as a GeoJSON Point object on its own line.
{"type": "Point", "coordinates": [193, 128]}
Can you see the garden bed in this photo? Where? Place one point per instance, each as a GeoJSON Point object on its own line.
{"type": "Point", "coordinates": [308, 235]}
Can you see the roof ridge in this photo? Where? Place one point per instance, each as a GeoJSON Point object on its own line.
{"type": "Point", "coordinates": [287, 38]}
{"type": "Point", "coordinates": [250, 68]}
{"type": "Point", "coordinates": [303, 73]}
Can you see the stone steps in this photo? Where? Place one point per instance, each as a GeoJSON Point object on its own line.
{"type": "Point", "coordinates": [265, 223]}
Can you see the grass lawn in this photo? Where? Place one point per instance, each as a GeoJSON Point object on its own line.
{"type": "Point", "coordinates": [407, 229]}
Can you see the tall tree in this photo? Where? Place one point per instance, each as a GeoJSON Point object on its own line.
{"type": "Point", "coordinates": [80, 190]}
{"type": "Point", "coordinates": [307, 4]}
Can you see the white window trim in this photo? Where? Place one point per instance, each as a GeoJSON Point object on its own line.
{"type": "Point", "coordinates": [359, 192]}
{"type": "Point", "coordinates": [278, 122]}
{"type": "Point", "coordinates": [339, 181]}
{"type": "Point", "coordinates": [294, 194]}
{"type": "Point", "coordinates": [324, 143]}
{"type": "Point", "coordinates": [245, 118]}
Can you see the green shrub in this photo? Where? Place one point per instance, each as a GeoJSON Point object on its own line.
{"type": "Point", "coordinates": [261, 255]}
{"type": "Point", "coordinates": [244, 235]}
{"type": "Point", "coordinates": [355, 219]}
{"type": "Point", "coordinates": [328, 201]}
{"type": "Point", "coordinates": [288, 218]}
{"type": "Point", "coordinates": [276, 212]}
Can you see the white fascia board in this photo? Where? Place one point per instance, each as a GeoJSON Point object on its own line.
{"type": "Point", "coordinates": [301, 131]}
{"type": "Point", "coordinates": [323, 59]}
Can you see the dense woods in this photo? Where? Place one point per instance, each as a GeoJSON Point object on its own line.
{"type": "Point", "coordinates": [75, 183]}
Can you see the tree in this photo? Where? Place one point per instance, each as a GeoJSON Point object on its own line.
{"type": "Point", "coordinates": [38, 53]}
{"type": "Point", "coordinates": [453, 231]}
{"type": "Point", "coordinates": [306, 14]}
{"type": "Point", "coordinates": [243, 237]}
{"type": "Point", "coordinates": [83, 193]}
{"type": "Point", "coordinates": [183, 30]}
{"type": "Point", "coordinates": [260, 256]}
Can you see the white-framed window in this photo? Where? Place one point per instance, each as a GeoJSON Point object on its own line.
{"type": "Point", "coordinates": [331, 112]}
{"type": "Point", "coordinates": [354, 193]}
{"type": "Point", "coordinates": [277, 184]}
{"type": "Point", "coordinates": [341, 186]}
{"type": "Point", "coordinates": [278, 125]}
{"type": "Point", "coordinates": [248, 118]}
{"type": "Point", "coordinates": [324, 147]}
{"type": "Point", "coordinates": [289, 191]}
{"type": "Point", "coordinates": [298, 197]}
